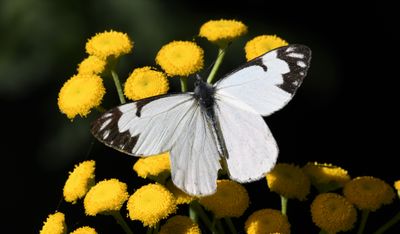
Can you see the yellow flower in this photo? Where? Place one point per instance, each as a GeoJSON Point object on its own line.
{"type": "Point", "coordinates": [80, 180]}
{"type": "Point", "coordinates": [91, 65]}
{"type": "Point", "coordinates": [150, 204]}
{"type": "Point", "coordinates": [267, 221]}
{"type": "Point", "coordinates": [109, 43]}
{"type": "Point", "coordinates": [80, 94]}
{"type": "Point", "coordinates": [180, 58]}
{"type": "Point", "coordinates": [221, 32]}
{"type": "Point", "coordinates": [288, 181]}
{"type": "Point", "coordinates": [54, 224]}
{"type": "Point", "coordinates": [230, 199]}
{"type": "Point", "coordinates": [333, 213]}
{"type": "Point", "coordinates": [180, 196]}
{"type": "Point", "coordinates": [368, 193]}
{"type": "Point", "coordinates": [152, 165]}
{"type": "Point", "coordinates": [84, 230]}
{"type": "Point", "coordinates": [180, 225]}
{"type": "Point", "coordinates": [262, 44]}
{"type": "Point", "coordinates": [326, 177]}
{"type": "Point", "coordinates": [106, 196]}
{"type": "Point", "coordinates": [145, 82]}
{"type": "Point", "coordinates": [397, 187]}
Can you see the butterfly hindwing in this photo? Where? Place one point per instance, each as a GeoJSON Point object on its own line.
{"type": "Point", "coordinates": [267, 83]}
{"type": "Point", "coordinates": [252, 150]}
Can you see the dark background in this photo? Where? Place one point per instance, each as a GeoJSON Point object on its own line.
{"type": "Point", "coordinates": [345, 112]}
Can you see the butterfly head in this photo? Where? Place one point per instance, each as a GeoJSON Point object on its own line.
{"type": "Point", "coordinates": [203, 91]}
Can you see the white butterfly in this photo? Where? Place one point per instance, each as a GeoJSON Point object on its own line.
{"type": "Point", "coordinates": [214, 125]}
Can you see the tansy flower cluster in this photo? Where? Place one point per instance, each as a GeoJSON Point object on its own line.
{"type": "Point", "coordinates": [335, 201]}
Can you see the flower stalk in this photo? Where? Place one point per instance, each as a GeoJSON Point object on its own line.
{"type": "Point", "coordinates": [217, 64]}
{"type": "Point", "coordinates": [388, 224]}
{"type": "Point", "coordinates": [363, 222]}
{"type": "Point", "coordinates": [118, 217]}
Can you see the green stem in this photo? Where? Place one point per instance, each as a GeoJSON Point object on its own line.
{"type": "Point", "coordinates": [322, 232]}
{"type": "Point", "coordinates": [118, 217]}
{"type": "Point", "coordinates": [219, 226]}
{"type": "Point", "coordinates": [364, 217]}
{"type": "Point", "coordinates": [284, 202]}
{"type": "Point", "coordinates": [388, 224]}
{"type": "Point", "coordinates": [202, 215]}
{"type": "Point", "coordinates": [231, 227]}
{"type": "Point", "coordinates": [149, 230]}
{"type": "Point", "coordinates": [118, 86]}
{"type": "Point", "coordinates": [220, 58]}
{"type": "Point", "coordinates": [183, 83]}
{"type": "Point", "coordinates": [155, 228]}
{"type": "Point", "coordinates": [193, 214]}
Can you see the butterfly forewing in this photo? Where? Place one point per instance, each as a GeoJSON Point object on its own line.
{"type": "Point", "coordinates": [267, 83]}
{"type": "Point", "coordinates": [172, 123]}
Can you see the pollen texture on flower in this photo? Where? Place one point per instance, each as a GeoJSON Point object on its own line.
{"type": "Point", "coordinates": [267, 221]}
{"type": "Point", "coordinates": [289, 181]}
{"type": "Point", "coordinates": [230, 199]}
{"type": "Point", "coordinates": [180, 58]}
{"type": "Point", "coordinates": [333, 213]}
{"type": "Point", "coordinates": [368, 193]}
{"type": "Point", "coordinates": [179, 224]}
{"type": "Point", "coordinates": [326, 177]}
{"type": "Point", "coordinates": [80, 94]}
{"type": "Point", "coordinates": [262, 44]}
{"type": "Point", "coordinates": [106, 196]}
{"type": "Point", "coordinates": [91, 65]}
{"type": "Point", "coordinates": [109, 43]}
{"type": "Point", "coordinates": [145, 82]}
{"type": "Point", "coordinates": [84, 230]}
{"type": "Point", "coordinates": [80, 180]}
{"type": "Point", "coordinates": [150, 204]}
{"type": "Point", "coordinates": [222, 31]}
{"type": "Point", "coordinates": [54, 224]}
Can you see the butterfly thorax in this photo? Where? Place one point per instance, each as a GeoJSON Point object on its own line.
{"type": "Point", "coordinates": [204, 94]}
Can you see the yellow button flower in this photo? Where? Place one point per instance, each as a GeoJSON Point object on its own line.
{"type": "Point", "coordinates": [152, 165]}
{"type": "Point", "coordinates": [84, 230]}
{"type": "Point", "coordinates": [80, 94]}
{"type": "Point", "coordinates": [180, 196]}
{"type": "Point", "coordinates": [145, 82]}
{"type": "Point", "coordinates": [54, 224]}
{"type": "Point", "coordinates": [150, 204]}
{"type": "Point", "coordinates": [368, 193]}
{"type": "Point", "coordinates": [333, 213]}
{"type": "Point", "coordinates": [289, 181]}
{"type": "Point", "coordinates": [180, 58]}
{"type": "Point", "coordinates": [397, 187]}
{"type": "Point", "coordinates": [262, 44]}
{"type": "Point", "coordinates": [106, 196]}
{"type": "Point", "coordinates": [223, 31]}
{"type": "Point", "coordinates": [326, 177]}
{"type": "Point", "coordinates": [91, 65]}
{"type": "Point", "coordinates": [80, 180]}
{"type": "Point", "coordinates": [179, 225]}
{"type": "Point", "coordinates": [267, 221]}
{"type": "Point", "coordinates": [109, 43]}
{"type": "Point", "coordinates": [230, 199]}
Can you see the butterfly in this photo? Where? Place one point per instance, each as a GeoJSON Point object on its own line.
{"type": "Point", "coordinates": [216, 127]}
